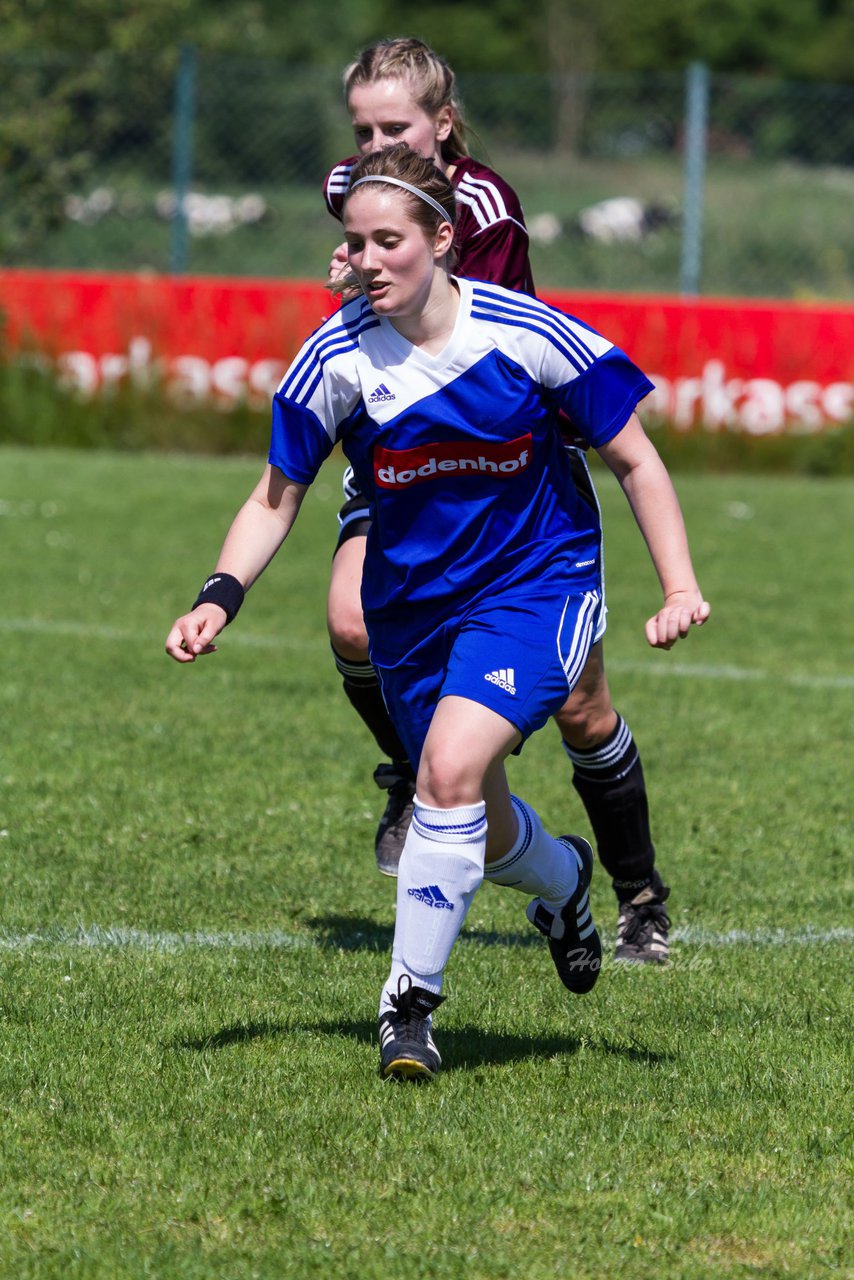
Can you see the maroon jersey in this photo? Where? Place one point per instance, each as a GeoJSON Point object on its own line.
{"type": "Point", "coordinates": [490, 238]}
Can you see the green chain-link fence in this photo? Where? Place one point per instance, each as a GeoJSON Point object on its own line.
{"type": "Point", "coordinates": [207, 164]}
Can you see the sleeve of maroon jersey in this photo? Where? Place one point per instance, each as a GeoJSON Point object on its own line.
{"type": "Point", "coordinates": [335, 186]}
{"type": "Point", "coordinates": [492, 239]}
{"type": "Point", "coordinates": [497, 253]}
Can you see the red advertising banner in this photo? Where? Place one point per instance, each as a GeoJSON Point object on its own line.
{"type": "Point", "coordinates": [720, 364]}
{"type": "Point", "coordinates": [205, 339]}
{"type": "Point", "coordinates": [733, 364]}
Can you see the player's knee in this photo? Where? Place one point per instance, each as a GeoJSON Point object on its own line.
{"type": "Point", "coordinates": [588, 716]}
{"type": "Point", "coordinates": [584, 722]}
{"type": "Point", "coordinates": [347, 630]}
{"type": "Point", "coordinates": [443, 782]}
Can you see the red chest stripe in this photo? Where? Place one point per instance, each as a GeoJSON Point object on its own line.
{"type": "Point", "coordinates": [400, 468]}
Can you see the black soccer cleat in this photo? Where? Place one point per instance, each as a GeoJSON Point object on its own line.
{"type": "Point", "coordinates": [573, 941]}
{"type": "Point", "coordinates": [643, 926]}
{"type": "Point", "coordinates": [407, 1049]}
{"type": "Point", "coordinates": [394, 824]}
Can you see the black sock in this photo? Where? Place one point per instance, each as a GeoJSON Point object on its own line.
{"type": "Point", "coordinates": [362, 687]}
{"type": "Point", "coordinates": [609, 778]}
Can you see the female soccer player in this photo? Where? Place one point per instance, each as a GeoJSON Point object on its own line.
{"type": "Point", "coordinates": [401, 91]}
{"type": "Point", "coordinates": [482, 575]}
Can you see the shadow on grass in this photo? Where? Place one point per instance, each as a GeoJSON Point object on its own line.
{"type": "Point", "coordinates": [632, 1053]}
{"type": "Point", "coordinates": [462, 1047]}
{"type": "Point", "coordinates": [359, 933]}
{"type": "Point", "coordinates": [466, 1047]}
{"type": "Point", "coordinates": [239, 1033]}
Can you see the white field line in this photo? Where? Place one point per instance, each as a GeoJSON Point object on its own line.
{"type": "Point", "coordinates": [707, 671]}
{"type": "Point", "coordinates": [122, 635]}
{"type": "Point", "coordinates": [121, 938]}
{"type": "Point", "coordinates": [698, 936]}
{"type": "Point", "coordinates": [665, 668]}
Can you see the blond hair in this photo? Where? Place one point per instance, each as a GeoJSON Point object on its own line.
{"type": "Point", "coordinates": [431, 81]}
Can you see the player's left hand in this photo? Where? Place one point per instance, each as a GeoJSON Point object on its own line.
{"type": "Point", "coordinates": [339, 265]}
{"type": "Point", "coordinates": [681, 611]}
{"type": "Point", "coordinates": [340, 270]}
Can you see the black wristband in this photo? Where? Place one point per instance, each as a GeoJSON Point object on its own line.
{"type": "Point", "coordinates": [224, 590]}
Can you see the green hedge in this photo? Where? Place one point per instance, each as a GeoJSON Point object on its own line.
{"type": "Point", "coordinates": [34, 410]}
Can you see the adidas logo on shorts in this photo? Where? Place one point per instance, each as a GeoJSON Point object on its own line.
{"type": "Point", "coordinates": [379, 394]}
{"type": "Point", "coordinates": [505, 679]}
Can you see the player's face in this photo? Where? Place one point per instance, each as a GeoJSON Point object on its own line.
{"type": "Point", "coordinates": [394, 260]}
{"type": "Point", "coordinates": [386, 112]}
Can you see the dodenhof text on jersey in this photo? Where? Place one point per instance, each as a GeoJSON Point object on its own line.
{"type": "Point", "coordinates": [399, 468]}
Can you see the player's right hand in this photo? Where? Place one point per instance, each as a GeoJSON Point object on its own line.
{"type": "Point", "coordinates": [193, 634]}
{"type": "Point", "coordinates": [681, 611]}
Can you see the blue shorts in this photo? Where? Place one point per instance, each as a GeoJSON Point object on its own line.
{"type": "Point", "coordinates": [520, 654]}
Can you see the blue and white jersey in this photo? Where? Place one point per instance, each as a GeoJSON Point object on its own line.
{"type": "Point", "coordinates": [459, 454]}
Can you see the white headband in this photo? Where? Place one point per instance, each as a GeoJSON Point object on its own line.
{"type": "Point", "coordinates": [407, 186]}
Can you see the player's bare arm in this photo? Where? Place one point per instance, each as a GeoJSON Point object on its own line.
{"type": "Point", "coordinates": [643, 477]}
{"type": "Point", "coordinates": [257, 531]}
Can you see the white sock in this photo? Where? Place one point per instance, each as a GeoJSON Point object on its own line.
{"type": "Point", "coordinates": [537, 865]}
{"type": "Point", "coordinates": [440, 869]}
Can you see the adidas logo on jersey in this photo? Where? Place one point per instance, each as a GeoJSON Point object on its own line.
{"type": "Point", "coordinates": [379, 394]}
{"type": "Point", "coordinates": [505, 678]}
{"type": "Point", "coordinates": [432, 896]}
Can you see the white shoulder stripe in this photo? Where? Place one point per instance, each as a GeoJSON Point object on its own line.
{"type": "Point", "coordinates": [484, 217]}
{"type": "Point", "coordinates": [341, 173]}
{"type": "Point", "coordinates": [332, 339]}
{"type": "Point", "coordinates": [337, 183]}
{"type": "Point", "coordinates": [507, 300]}
{"type": "Point", "coordinates": [582, 344]}
{"type": "Point", "coordinates": [484, 199]}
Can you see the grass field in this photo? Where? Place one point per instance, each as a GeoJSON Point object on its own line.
{"type": "Point", "coordinates": [194, 936]}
